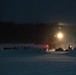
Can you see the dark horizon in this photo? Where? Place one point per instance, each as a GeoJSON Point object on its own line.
{"type": "Point", "coordinates": [40, 33]}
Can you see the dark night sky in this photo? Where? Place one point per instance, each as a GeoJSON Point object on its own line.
{"type": "Point", "coordinates": [38, 10]}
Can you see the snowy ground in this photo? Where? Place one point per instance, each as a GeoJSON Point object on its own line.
{"type": "Point", "coordinates": [18, 62]}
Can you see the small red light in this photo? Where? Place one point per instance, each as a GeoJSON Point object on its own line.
{"type": "Point", "coordinates": [47, 46]}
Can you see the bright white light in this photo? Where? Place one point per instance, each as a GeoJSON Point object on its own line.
{"type": "Point", "coordinates": [60, 35]}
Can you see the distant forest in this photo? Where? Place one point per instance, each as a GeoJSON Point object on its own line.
{"type": "Point", "coordinates": [39, 33]}
{"type": "Point", "coordinates": [23, 33]}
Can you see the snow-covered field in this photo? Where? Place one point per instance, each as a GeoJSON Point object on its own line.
{"type": "Point", "coordinates": [22, 62]}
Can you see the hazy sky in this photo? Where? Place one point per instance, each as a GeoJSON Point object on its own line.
{"type": "Point", "coordinates": [38, 10]}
